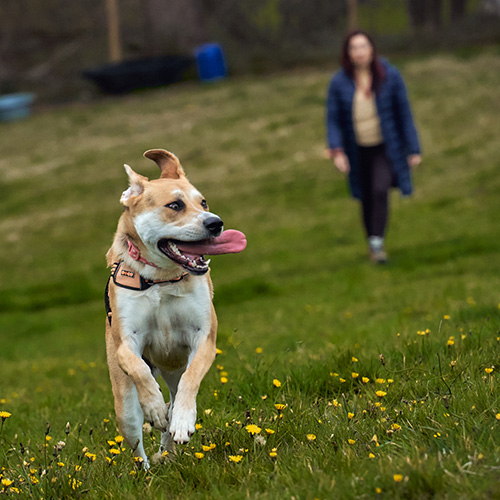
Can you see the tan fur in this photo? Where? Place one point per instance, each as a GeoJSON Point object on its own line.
{"type": "Point", "coordinates": [173, 326]}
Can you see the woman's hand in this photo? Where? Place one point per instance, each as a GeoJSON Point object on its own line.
{"type": "Point", "coordinates": [414, 160]}
{"type": "Point", "coordinates": [340, 160]}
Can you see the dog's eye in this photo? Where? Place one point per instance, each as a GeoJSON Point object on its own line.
{"type": "Point", "coordinates": [176, 205]}
{"type": "Point", "coordinates": [204, 204]}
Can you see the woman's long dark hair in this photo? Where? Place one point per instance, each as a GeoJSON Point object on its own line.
{"type": "Point", "coordinates": [376, 68]}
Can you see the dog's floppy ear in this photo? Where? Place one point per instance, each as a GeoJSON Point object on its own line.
{"type": "Point", "coordinates": [169, 164]}
{"type": "Point", "coordinates": [136, 186]}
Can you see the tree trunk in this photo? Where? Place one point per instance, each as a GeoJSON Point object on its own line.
{"type": "Point", "coordinates": [173, 25]}
{"type": "Point", "coordinates": [115, 47]}
{"type": "Point", "coordinates": [458, 8]}
{"type": "Point", "coordinates": [416, 13]}
{"type": "Point", "coordinates": [426, 14]}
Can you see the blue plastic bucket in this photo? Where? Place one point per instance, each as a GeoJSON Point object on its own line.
{"type": "Point", "coordinates": [210, 62]}
{"type": "Point", "coordinates": [15, 106]}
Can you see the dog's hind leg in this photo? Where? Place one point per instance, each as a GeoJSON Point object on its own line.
{"type": "Point", "coordinates": [172, 380]}
{"type": "Point", "coordinates": [167, 445]}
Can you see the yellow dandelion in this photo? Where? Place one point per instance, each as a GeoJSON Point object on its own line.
{"type": "Point", "coordinates": [276, 383]}
{"type": "Point", "coordinates": [311, 437]}
{"type": "Point", "coordinates": [450, 342]}
{"type": "Point", "coordinates": [91, 456]}
{"type": "Point", "coordinates": [446, 316]}
{"type": "Point", "coordinates": [390, 381]}
{"type": "Point", "coordinates": [270, 431]}
{"type": "Point", "coordinates": [354, 359]}
{"type": "Point", "coordinates": [273, 453]}
{"type": "Point", "coordinates": [355, 375]}
{"type": "Point", "coordinates": [60, 464]}
{"type": "Point", "coordinates": [132, 473]}
{"type": "Point", "coordinates": [223, 380]}
{"type": "Point", "coordinates": [114, 451]}
{"type": "Point", "coordinates": [164, 454]}
{"type": "Point", "coordinates": [119, 439]}
{"type": "Point", "coordinates": [380, 380]}
{"type": "Point", "coordinates": [351, 441]}
{"type": "Point", "coordinates": [381, 394]}
{"type": "Point", "coordinates": [280, 406]}
{"type": "Point", "coordinates": [371, 455]}
{"type": "Point", "coordinates": [139, 460]}
{"type": "Point", "coordinates": [258, 350]}
{"type": "Point", "coordinates": [7, 482]}
{"type": "Point", "coordinates": [365, 380]}
{"type": "Point", "coordinates": [235, 458]}
{"type": "Point", "coordinates": [198, 426]}
{"type": "Point", "coordinates": [218, 351]}
{"type": "Point", "coordinates": [395, 427]}
{"type": "Point", "coordinates": [336, 403]}
{"type": "Point", "coordinates": [342, 380]}
{"type": "Point", "coordinates": [48, 438]}
{"type": "Point", "coordinates": [111, 443]}
{"type": "Point", "coordinates": [105, 420]}
{"type": "Point", "coordinates": [489, 370]}
{"type": "Point", "coordinates": [497, 416]}
{"type": "Point", "coordinates": [398, 477]}
{"type": "Point", "coordinates": [378, 490]}
{"type": "Point", "coordinates": [350, 415]}
{"type": "Point", "coordinates": [253, 429]}
{"type": "Point", "coordinates": [5, 414]}
{"type": "Point", "coordinates": [199, 455]}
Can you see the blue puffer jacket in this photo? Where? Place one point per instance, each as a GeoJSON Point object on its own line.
{"type": "Point", "coordinates": [398, 130]}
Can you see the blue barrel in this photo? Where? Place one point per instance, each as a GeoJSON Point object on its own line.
{"type": "Point", "coordinates": [15, 106]}
{"type": "Point", "coordinates": [210, 62]}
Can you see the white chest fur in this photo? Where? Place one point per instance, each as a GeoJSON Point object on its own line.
{"type": "Point", "coordinates": [166, 322]}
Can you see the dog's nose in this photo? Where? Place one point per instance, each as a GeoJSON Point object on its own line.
{"type": "Point", "coordinates": [214, 225]}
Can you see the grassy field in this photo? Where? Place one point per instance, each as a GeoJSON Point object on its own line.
{"type": "Point", "coordinates": [363, 381]}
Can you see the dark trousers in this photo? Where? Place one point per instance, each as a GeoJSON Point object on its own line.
{"type": "Point", "coordinates": [376, 178]}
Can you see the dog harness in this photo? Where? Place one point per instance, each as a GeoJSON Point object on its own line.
{"type": "Point", "coordinates": [131, 280]}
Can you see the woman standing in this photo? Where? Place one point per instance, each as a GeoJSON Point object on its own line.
{"type": "Point", "coordinates": [371, 134]}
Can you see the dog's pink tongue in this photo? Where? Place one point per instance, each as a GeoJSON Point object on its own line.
{"type": "Point", "coordinates": [230, 241]}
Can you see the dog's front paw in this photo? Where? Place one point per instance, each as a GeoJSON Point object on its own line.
{"type": "Point", "coordinates": [182, 425]}
{"type": "Point", "coordinates": [156, 412]}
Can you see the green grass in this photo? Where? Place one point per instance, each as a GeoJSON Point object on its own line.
{"type": "Point", "coordinates": [303, 291]}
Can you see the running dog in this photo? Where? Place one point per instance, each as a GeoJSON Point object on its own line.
{"type": "Point", "coordinates": [161, 320]}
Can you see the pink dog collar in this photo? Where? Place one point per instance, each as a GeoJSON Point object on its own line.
{"type": "Point", "coordinates": [135, 253]}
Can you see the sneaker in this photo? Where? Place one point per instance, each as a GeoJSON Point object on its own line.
{"type": "Point", "coordinates": [376, 250]}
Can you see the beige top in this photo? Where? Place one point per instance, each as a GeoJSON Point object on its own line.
{"type": "Point", "coordinates": [366, 120]}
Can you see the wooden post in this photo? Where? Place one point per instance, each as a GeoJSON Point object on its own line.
{"type": "Point", "coordinates": [115, 48]}
{"type": "Point", "coordinates": [352, 15]}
